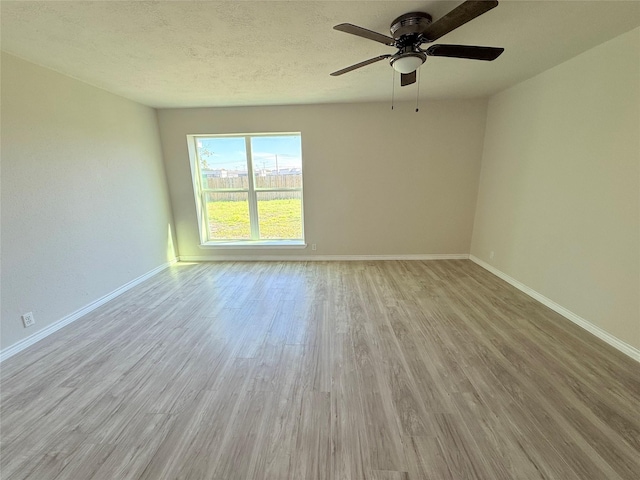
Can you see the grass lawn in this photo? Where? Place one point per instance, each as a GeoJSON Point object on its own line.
{"type": "Point", "coordinates": [279, 219]}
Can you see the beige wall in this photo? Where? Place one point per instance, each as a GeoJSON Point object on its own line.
{"type": "Point", "coordinates": [559, 197]}
{"type": "Point", "coordinates": [376, 181]}
{"type": "Point", "coordinates": [85, 207]}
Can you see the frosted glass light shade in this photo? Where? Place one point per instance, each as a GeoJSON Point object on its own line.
{"type": "Point", "coordinates": [407, 63]}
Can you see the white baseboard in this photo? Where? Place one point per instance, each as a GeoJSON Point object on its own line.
{"type": "Point", "coordinates": [45, 332]}
{"type": "Point", "coordinates": [578, 320]}
{"type": "Point", "coordinates": [318, 258]}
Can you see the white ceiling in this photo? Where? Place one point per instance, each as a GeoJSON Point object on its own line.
{"type": "Point", "coordinates": [223, 53]}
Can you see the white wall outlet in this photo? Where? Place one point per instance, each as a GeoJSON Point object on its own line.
{"type": "Point", "coordinates": [28, 319]}
{"type": "Point", "coordinates": [492, 254]}
{"type": "Point", "coordinates": [313, 246]}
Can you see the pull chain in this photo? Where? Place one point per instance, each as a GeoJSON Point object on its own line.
{"type": "Point", "coordinates": [393, 88]}
{"type": "Point", "coordinates": [418, 91]}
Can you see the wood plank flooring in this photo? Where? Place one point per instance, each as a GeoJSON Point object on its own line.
{"type": "Point", "coordinates": [321, 370]}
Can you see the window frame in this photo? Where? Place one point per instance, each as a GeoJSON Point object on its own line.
{"type": "Point", "coordinates": [252, 192]}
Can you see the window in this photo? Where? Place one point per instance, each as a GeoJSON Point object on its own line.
{"type": "Point", "coordinates": [248, 188]}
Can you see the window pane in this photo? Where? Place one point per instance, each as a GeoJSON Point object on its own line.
{"type": "Point", "coordinates": [223, 162]}
{"type": "Point", "coordinates": [280, 215]}
{"type": "Point", "coordinates": [228, 216]}
{"type": "Point", "coordinates": [277, 161]}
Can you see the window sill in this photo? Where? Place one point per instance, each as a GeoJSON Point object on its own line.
{"type": "Point", "coordinates": [258, 244]}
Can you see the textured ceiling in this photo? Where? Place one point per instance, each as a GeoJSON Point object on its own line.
{"type": "Point", "coordinates": [220, 53]}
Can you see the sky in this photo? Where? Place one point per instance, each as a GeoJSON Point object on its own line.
{"type": "Point", "coordinates": [229, 152]}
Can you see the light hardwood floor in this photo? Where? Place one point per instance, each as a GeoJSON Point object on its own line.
{"type": "Point", "coordinates": [321, 370]}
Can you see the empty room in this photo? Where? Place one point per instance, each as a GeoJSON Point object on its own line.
{"type": "Point", "coordinates": [384, 240]}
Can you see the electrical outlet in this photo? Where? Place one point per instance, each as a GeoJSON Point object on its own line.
{"type": "Point", "coordinates": [28, 319]}
{"type": "Point", "coordinates": [313, 246]}
{"type": "Point", "coordinates": [492, 254]}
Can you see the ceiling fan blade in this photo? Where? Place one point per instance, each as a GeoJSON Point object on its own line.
{"type": "Point", "coordinates": [361, 64]}
{"type": "Point", "coordinates": [464, 51]}
{"type": "Point", "coordinates": [407, 78]}
{"type": "Point", "coordinates": [457, 17]}
{"type": "Point", "coordinates": [364, 33]}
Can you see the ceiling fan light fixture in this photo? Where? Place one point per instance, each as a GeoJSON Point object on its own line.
{"type": "Point", "coordinates": [407, 63]}
{"type": "Point", "coordinates": [411, 30]}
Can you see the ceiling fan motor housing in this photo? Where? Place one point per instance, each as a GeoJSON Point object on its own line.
{"type": "Point", "coordinates": [407, 30]}
{"type": "Point", "coordinates": [413, 23]}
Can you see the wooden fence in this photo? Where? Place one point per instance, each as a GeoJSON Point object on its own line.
{"type": "Point", "coordinates": [271, 181]}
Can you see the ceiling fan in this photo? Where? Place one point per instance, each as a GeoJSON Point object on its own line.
{"type": "Point", "coordinates": [411, 30]}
